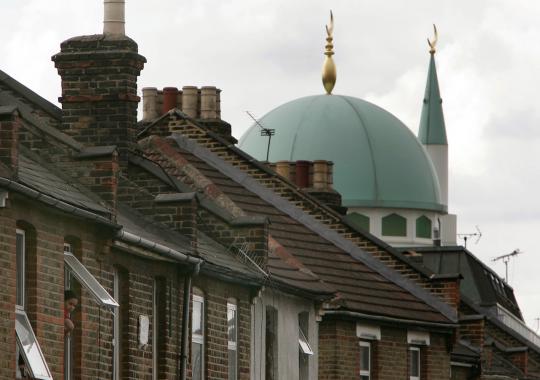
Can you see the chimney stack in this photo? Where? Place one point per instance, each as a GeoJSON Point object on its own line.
{"type": "Point", "coordinates": [114, 13]}
{"type": "Point", "coordinates": [99, 85]}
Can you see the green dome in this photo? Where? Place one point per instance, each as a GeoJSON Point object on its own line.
{"type": "Point", "coordinates": [378, 162]}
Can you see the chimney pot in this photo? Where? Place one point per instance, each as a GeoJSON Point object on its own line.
{"type": "Point", "coordinates": [209, 101]}
{"type": "Point", "coordinates": [320, 174]}
{"type": "Point", "coordinates": [190, 101]}
{"type": "Point", "coordinates": [169, 98]}
{"type": "Point", "coordinates": [150, 110]}
{"type": "Point", "coordinates": [283, 169]}
{"type": "Point", "coordinates": [302, 174]}
{"type": "Point", "coordinates": [114, 17]}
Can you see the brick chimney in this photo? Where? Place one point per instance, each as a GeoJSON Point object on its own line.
{"type": "Point", "coordinates": [99, 85]}
{"type": "Point", "coordinates": [200, 104]}
{"type": "Point", "coordinates": [314, 177]}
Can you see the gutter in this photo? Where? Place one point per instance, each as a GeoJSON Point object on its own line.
{"type": "Point", "coordinates": [128, 237]}
{"type": "Point", "coordinates": [48, 200]}
{"type": "Point", "coordinates": [355, 314]}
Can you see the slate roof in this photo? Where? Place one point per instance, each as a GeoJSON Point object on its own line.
{"type": "Point", "coordinates": [360, 287]}
{"type": "Point", "coordinates": [480, 283]}
{"type": "Point", "coordinates": [37, 176]}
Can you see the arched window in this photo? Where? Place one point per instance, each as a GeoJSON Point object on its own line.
{"type": "Point", "coordinates": [394, 225]}
{"type": "Point", "coordinates": [358, 220]}
{"type": "Point", "coordinates": [423, 227]}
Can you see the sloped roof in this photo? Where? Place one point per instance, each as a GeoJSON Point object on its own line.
{"type": "Point", "coordinates": [360, 287]}
{"type": "Point", "coordinates": [44, 179]}
{"type": "Point", "coordinates": [480, 283]}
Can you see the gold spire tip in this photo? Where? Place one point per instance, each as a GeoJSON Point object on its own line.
{"type": "Point", "coordinates": [329, 67]}
{"type": "Point", "coordinates": [432, 43]}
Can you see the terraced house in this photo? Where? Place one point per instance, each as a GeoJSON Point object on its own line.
{"type": "Point", "coordinates": [191, 259]}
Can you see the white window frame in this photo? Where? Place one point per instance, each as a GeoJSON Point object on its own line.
{"type": "Point", "coordinates": [198, 338]}
{"type": "Point", "coordinates": [155, 322]}
{"type": "Point", "coordinates": [68, 346]}
{"type": "Point", "coordinates": [36, 364]}
{"type": "Point", "coordinates": [233, 345]}
{"type": "Point", "coordinates": [303, 342]}
{"type": "Point", "coordinates": [21, 269]}
{"type": "Point", "coordinates": [116, 328]}
{"type": "Point", "coordinates": [363, 372]}
{"type": "Point", "coordinates": [86, 279]}
{"type": "Point", "coordinates": [411, 350]}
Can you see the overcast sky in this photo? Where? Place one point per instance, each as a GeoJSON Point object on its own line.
{"type": "Point", "coordinates": [262, 53]}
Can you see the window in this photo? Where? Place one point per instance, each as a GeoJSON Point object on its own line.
{"type": "Point", "coordinates": [68, 339]}
{"type": "Point", "coordinates": [21, 268]}
{"type": "Point", "coordinates": [116, 327]}
{"type": "Point", "coordinates": [365, 360]}
{"type": "Point", "coordinates": [414, 363]}
{"type": "Point", "coordinates": [197, 338]}
{"type": "Point", "coordinates": [358, 220]}
{"type": "Point", "coordinates": [29, 349]}
{"type": "Point", "coordinates": [394, 225]}
{"type": "Point", "coordinates": [304, 349]}
{"type": "Point", "coordinates": [155, 332]}
{"type": "Point", "coordinates": [88, 281]}
{"type": "Point", "coordinates": [29, 358]}
{"type": "Point", "coordinates": [423, 227]}
{"type": "Point", "coordinates": [271, 344]}
{"type": "Point", "coordinates": [232, 340]}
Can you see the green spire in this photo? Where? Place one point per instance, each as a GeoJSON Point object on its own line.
{"type": "Point", "coordinates": [432, 129]}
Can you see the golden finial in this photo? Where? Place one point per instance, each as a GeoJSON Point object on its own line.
{"type": "Point", "coordinates": [433, 42]}
{"type": "Point", "coordinates": [329, 68]}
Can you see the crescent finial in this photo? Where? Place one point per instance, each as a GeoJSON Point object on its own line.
{"type": "Point", "coordinates": [432, 43]}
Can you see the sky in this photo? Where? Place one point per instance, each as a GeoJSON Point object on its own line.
{"type": "Point", "coordinates": [263, 53]}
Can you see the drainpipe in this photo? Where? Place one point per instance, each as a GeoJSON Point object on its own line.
{"type": "Point", "coordinates": [185, 324]}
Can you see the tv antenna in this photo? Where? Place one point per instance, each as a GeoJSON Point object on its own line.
{"type": "Point", "coordinates": [465, 237]}
{"type": "Point", "coordinates": [505, 259]}
{"type": "Point", "coordinates": [269, 132]}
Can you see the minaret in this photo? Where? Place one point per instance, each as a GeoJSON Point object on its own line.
{"type": "Point", "coordinates": [432, 131]}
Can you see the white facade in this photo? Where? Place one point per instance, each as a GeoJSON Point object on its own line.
{"type": "Point", "coordinates": [447, 224]}
{"type": "Point", "coordinates": [288, 310]}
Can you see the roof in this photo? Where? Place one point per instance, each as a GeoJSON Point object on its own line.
{"type": "Point", "coordinates": [481, 284]}
{"type": "Point", "coordinates": [432, 129]}
{"type": "Point", "coordinates": [378, 162]}
{"type": "Point", "coordinates": [359, 286]}
{"type": "Point", "coordinates": [38, 176]}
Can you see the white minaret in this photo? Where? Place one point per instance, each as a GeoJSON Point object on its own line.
{"type": "Point", "coordinates": [432, 134]}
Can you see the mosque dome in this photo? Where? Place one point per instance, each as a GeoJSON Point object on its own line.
{"type": "Point", "coordinates": [378, 162]}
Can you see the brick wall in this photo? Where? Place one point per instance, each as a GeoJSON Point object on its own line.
{"type": "Point", "coordinates": [216, 295]}
{"type": "Point", "coordinates": [99, 90]}
{"type": "Point", "coordinates": [7, 294]}
{"type": "Point", "coordinates": [340, 353]}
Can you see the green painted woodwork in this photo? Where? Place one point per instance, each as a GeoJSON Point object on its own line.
{"type": "Point", "coordinates": [394, 225]}
{"type": "Point", "coordinates": [432, 129]}
{"type": "Point", "coordinates": [423, 227]}
{"type": "Point", "coordinates": [358, 220]}
{"type": "Point", "coordinates": [378, 162]}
